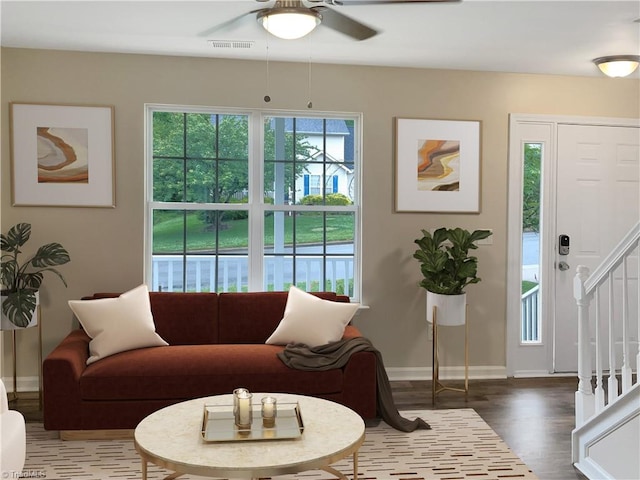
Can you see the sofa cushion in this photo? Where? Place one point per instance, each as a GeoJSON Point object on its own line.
{"type": "Point", "coordinates": [189, 371]}
{"type": "Point", "coordinates": [181, 318]}
{"type": "Point", "coordinates": [117, 324]}
{"type": "Point", "coordinates": [252, 317]}
{"type": "Point", "coordinates": [186, 318]}
{"type": "Point", "coordinates": [311, 320]}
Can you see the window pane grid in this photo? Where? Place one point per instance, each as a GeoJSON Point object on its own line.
{"type": "Point", "coordinates": [203, 175]}
{"type": "Point", "coordinates": [188, 255]}
{"type": "Point", "coordinates": [308, 256]}
{"type": "Point", "coordinates": [201, 181]}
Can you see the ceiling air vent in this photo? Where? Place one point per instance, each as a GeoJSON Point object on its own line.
{"type": "Point", "coordinates": [231, 43]}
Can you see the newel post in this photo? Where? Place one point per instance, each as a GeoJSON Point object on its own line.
{"type": "Point", "coordinates": [585, 400]}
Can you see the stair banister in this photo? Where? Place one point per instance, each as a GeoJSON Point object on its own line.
{"type": "Point", "coordinates": [585, 288]}
{"type": "Point", "coordinates": [604, 445]}
{"type": "Point", "coordinates": [626, 245]}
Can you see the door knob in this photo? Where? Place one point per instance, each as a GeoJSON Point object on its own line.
{"type": "Point", "coordinates": [563, 266]}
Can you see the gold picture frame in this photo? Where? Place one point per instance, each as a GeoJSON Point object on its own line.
{"type": "Point", "coordinates": [437, 165]}
{"type": "Point", "coordinates": [62, 155]}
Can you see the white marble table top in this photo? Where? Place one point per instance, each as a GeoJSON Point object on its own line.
{"type": "Point", "coordinates": [171, 438]}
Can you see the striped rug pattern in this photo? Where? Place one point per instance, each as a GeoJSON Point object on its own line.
{"type": "Point", "coordinates": [460, 446]}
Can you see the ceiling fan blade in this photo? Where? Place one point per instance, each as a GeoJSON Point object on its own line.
{"type": "Point", "coordinates": [223, 25]}
{"type": "Point", "coordinates": [385, 2]}
{"type": "Point", "coordinates": [343, 24]}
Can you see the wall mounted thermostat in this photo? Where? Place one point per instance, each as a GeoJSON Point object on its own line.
{"type": "Point", "coordinates": [563, 244]}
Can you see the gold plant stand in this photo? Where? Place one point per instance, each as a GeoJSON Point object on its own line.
{"type": "Point", "coordinates": [436, 385]}
{"type": "Point", "coordinates": [14, 395]}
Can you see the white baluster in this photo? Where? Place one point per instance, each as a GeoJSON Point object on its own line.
{"type": "Point", "coordinates": [330, 274]}
{"type": "Point", "coordinates": [626, 367]}
{"type": "Point", "coordinates": [198, 266]}
{"type": "Point", "coordinates": [170, 276]}
{"type": "Point", "coordinates": [155, 281]}
{"type": "Point", "coordinates": [638, 311]}
{"type": "Point", "coordinates": [238, 275]}
{"type": "Point", "coordinates": [308, 279]}
{"type": "Point", "coordinates": [278, 272]}
{"type": "Point", "coordinates": [224, 266]}
{"type": "Point", "coordinates": [599, 392]}
{"type": "Point", "coordinates": [585, 400]}
{"type": "Point", "coordinates": [613, 381]}
{"type": "Point", "coordinates": [212, 273]}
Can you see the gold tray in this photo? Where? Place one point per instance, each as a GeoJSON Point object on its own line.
{"type": "Point", "coordinates": [218, 424]}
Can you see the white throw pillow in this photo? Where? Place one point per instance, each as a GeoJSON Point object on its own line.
{"type": "Point", "coordinates": [117, 324]}
{"type": "Point", "coordinates": [311, 320]}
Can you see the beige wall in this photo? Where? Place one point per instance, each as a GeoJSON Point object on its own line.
{"type": "Point", "coordinates": [106, 245]}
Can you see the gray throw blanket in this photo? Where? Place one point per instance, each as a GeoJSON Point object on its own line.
{"type": "Point", "coordinates": [336, 355]}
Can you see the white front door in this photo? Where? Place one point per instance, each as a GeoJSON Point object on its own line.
{"type": "Point", "coordinates": [597, 203]}
{"type": "Point", "coordinates": [590, 192]}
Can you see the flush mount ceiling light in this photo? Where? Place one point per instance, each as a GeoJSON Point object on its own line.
{"type": "Point", "coordinates": [617, 65]}
{"type": "Point", "coordinates": [289, 23]}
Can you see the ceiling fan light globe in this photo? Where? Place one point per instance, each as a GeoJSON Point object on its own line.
{"type": "Point", "coordinates": [289, 25]}
{"type": "Point", "coordinates": [618, 65]}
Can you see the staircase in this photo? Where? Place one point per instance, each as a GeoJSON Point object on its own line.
{"type": "Point", "coordinates": [606, 440]}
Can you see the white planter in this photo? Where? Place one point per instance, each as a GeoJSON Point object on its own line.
{"type": "Point", "coordinates": [6, 324]}
{"type": "Point", "coordinates": [451, 309]}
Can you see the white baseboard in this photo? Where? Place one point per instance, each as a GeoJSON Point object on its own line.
{"type": "Point", "coordinates": [446, 373]}
{"type": "Point", "coordinates": [30, 384]}
{"type": "Point", "coordinates": [25, 384]}
{"type": "Point", "coordinates": [541, 373]}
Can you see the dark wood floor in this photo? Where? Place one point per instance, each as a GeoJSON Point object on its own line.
{"type": "Point", "coordinates": [533, 416]}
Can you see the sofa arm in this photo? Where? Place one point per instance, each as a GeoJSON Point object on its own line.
{"type": "Point", "coordinates": [359, 391]}
{"type": "Point", "coordinates": [61, 372]}
{"type": "Point", "coordinates": [351, 331]}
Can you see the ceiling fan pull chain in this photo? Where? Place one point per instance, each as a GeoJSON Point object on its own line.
{"type": "Point", "coordinates": [310, 104]}
{"type": "Point", "coordinates": [267, 98]}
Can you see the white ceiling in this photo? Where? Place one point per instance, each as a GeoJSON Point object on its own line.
{"type": "Point", "coordinates": [535, 36]}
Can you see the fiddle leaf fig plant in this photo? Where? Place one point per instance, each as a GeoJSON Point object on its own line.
{"type": "Point", "coordinates": [21, 282]}
{"type": "Point", "coordinates": [444, 259]}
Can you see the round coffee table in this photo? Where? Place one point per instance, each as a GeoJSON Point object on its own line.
{"type": "Point", "coordinates": [171, 438]}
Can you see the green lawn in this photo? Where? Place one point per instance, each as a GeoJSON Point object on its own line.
{"type": "Point", "coordinates": [168, 231]}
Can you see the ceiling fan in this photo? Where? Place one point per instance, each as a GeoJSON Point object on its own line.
{"type": "Point", "coordinates": [292, 19]}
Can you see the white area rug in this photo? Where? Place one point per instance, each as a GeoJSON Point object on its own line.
{"type": "Point", "coordinates": [460, 445]}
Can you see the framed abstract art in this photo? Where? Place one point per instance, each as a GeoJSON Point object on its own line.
{"type": "Point", "coordinates": [62, 155]}
{"type": "Point", "coordinates": [437, 165]}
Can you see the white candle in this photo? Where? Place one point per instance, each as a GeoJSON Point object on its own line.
{"type": "Point", "coordinates": [268, 411]}
{"type": "Point", "coordinates": [244, 408]}
{"type": "Point", "coordinates": [268, 407]}
{"type": "Point", "coordinates": [236, 394]}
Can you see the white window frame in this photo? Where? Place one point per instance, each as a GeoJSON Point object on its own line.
{"type": "Point", "coordinates": [256, 209]}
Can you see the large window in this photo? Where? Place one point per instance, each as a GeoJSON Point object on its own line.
{"type": "Point", "coordinates": [252, 200]}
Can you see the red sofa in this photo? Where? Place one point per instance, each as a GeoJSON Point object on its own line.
{"type": "Point", "coordinates": [216, 344]}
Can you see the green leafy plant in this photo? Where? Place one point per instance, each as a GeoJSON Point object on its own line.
{"type": "Point", "coordinates": [21, 282]}
{"type": "Point", "coordinates": [444, 259]}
